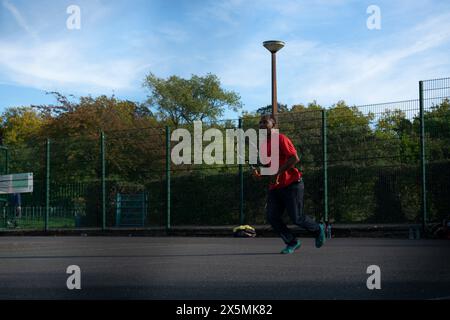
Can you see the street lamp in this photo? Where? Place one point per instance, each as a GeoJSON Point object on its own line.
{"type": "Point", "coordinates": [273, 46]}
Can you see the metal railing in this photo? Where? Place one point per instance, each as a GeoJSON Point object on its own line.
{"type": "Point", "coordinates": [372, 163]}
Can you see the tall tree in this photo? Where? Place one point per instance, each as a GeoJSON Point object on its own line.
{"type": "Point", "coordinates": [133, 137]}
{"type": "Point", "coordinates": [19, 125]}
{"type": "Point", "coordinates": [182, 101]}
{"type": "Point", "coordinates": [349, 135]}
{"type": "Point", "coordinates": [437, 131]}
{"type": "Point", "coordinates": [395, 136]}
{"type": "Point", "coordinates": [268, 109]}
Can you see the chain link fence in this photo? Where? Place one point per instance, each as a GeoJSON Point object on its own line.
{"type": "Point", "coordinates": [379, 163]}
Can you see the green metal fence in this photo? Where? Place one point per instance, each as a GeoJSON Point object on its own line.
{"type": "Point", "coordinates": [203, 194]}
{"type": "Point", "coordinates": [435, 148]}
{"type": "Point", "coordinates": [4, 154]}
{"type": "Point", "coordinates": [377, 163]}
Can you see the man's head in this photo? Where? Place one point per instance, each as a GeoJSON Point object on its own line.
{"type": "Point", "coordinates": [267, 122]}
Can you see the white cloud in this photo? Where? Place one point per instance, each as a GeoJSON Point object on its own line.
{"type": "Point", "coordinates": [21, 21]}
{"type": "Point", "coordinates": [72, 63]}
{"type": "Point", "coordinates": [223, 11]}
{"type": "Point", "coordinates": [243, 68]}
{"type": "Point", "coordinates": [367, 75]}
{"type": "Point", "coordinates": [249, 67]}
{"type": "Point", "coordinates": [363, 70]}
{"type": "Point", "coordinates": [375, 70]}
{"type": "Point", "coordinates": [174, 33]}
{"type": "Point", "coordinates": [65, 65]}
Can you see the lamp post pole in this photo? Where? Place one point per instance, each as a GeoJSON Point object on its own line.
{"type": "Point", "coordinates": [274, 84]}
{"type": "Point", "coordinates": [273, 46]}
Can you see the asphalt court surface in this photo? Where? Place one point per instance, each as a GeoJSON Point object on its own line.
{"type": "Point", "coordinates": [221, 268]}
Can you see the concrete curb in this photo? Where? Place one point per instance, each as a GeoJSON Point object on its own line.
{"type": "Point", "coordinates": [403, 231]}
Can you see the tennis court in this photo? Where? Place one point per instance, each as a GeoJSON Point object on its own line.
{"type": "Point", "coordinates": [221, 268]}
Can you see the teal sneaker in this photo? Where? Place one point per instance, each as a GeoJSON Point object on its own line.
{"type": "Point", "coordinates": [291, 249]}
{"type": "Point", "coordinates": [320, 239]}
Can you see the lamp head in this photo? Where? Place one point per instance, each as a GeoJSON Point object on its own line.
{"type": "Point", "coordinates": [273, 45]}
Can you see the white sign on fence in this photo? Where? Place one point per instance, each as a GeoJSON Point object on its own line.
{"type": "Point", "coordinates": [16, 183]}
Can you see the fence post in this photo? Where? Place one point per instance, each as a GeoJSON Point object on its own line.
{"type": "Point", "coordinates": [168, 178]}
{"type": "Point", "coordinates": [423, 158]}
{"type": "Point", "coordinates": [103, 177]}
{"type": "Point", "coordinates": [47, 185]}
{"type": "Point", "coordinates": [6, 160]}
{"type": "Point", "coordinates": [241, 184]}
{"type": "Point", "coordinates": [325, 164]}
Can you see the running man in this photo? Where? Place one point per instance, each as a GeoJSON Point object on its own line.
{"type": "Point", "coordinates": [286, 190]}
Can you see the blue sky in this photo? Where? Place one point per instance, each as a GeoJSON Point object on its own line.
{"type": "Point", "coordinates": [330, 54]}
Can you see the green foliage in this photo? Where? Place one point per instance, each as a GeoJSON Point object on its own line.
{"type": "Point", "coordinates": [268, 109]}
{"type": "Point", "coordinates": [179, 101]}
{"type": "Point", "coordinates": [437, 131]}
{"type": "Point", "coordinates": [373, 159]}
{"type": "Point", "coordinates": [20, 125]}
